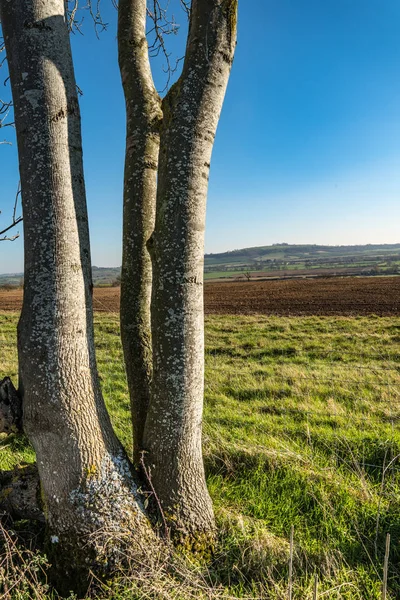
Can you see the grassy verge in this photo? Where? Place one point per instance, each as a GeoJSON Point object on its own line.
{"type": "Point", "coordinates": [301, 429]}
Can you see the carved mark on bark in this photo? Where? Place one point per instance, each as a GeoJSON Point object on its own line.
{"type": "Point", "coordinates": [192, 279]}
{"type": "Point", "coordinates": [64, 112]}
{"type": "Point", "coordinates": [137, 43]}
{"type": "Point", "coordinates": [10, 407]}
{"type": "Point", "coordinates": [41, 25]}
{"type": "Point", "coordinates": [150, 164]}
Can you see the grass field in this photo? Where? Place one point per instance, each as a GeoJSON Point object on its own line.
{"type": "Point", "coordinates": [301, 429]}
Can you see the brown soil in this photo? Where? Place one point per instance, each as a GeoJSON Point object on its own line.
{"type": "Point", "coordinates": [331, 296]}
{"type": "Point", "coordinates": [104, 300]}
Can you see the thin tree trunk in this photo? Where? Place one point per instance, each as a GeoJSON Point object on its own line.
{"type": "Point", "coordinates": [174, 422]}
{"type": "Point", "coordinates": [143, 110]}
{"type": "Point", "coordinates": [89, 493]}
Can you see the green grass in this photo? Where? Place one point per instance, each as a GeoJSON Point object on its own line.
{"type": "Point", "coordinates": [301, 429]}
{"type": "Point", "coordinates": [230, 274]}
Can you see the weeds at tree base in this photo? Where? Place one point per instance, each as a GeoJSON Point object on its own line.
{"type": "Point", "coordinates": [24, 573]}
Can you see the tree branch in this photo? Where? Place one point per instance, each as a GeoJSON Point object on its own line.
{"type": "Point", "coordinates": [93, 7]}
{"type": "Point", "coordinates": [164, 25]}
{"type": "Point", "coordinates": [15, 220]}
{"type": "Point", "coordinates": [144, 116]}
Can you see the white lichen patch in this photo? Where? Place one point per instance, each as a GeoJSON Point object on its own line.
{"type": "Point", "coordinates": [110, 495]}
{"type": "Point", "coordinates": [109, 502]}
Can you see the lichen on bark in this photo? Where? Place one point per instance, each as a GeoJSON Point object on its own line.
{"type": "Point", "coordinates": [88, 489]}
{"type": "Point", "coordinates": [231, 7]}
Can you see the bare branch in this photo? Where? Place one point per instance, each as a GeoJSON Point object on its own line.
{"type": "Point", "coordinates": [93, 7]}
{"type": "Point", "coordinates": [5, 105]}
{"type": "Point", "coordinates": [186, 7]}
{"type": "Point", "coordinates": [162, 26]}
{"type": "Point", "coordinates": [15, 220]}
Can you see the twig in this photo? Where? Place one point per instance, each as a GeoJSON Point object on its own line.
{"type": "Point", "coordinates": [15, 219]}
{"type": "Point", "coordinates": [148, 477]}
{"type": "Point", "coordinates": [162, 26]}
{"type": "Point", "coordinates": [385, 567]}
{"type": "Point", "coordinates": [315, 593]}
{"type": "Point", "coordinates": [290, 582]}
{"type": "Point", "coordinates": [378, 516]}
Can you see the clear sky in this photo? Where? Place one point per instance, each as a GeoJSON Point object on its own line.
{"type": "Point", "coordinates": [308, 147]}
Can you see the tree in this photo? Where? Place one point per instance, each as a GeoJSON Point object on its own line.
{"type": "Point", "coordinates": [88, 490]}
{"type": "Point", "coordinates": [90, 493]}
{"type": "Point", "coordinates": [168, 153]}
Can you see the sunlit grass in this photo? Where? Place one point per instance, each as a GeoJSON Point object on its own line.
{"type": "Point", "coordinates": [300, 429]}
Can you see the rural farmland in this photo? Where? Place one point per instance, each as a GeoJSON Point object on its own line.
{"type": "Point", "coordinates": [321, 296]}
{"type": "Point", "coordinates": [199, 300]}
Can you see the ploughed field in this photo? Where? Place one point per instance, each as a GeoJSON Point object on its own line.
{"type": "Point", "coordinates": [325, 296]}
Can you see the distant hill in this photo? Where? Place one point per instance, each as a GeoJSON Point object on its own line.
{"type": "Point", "coordinates": [101, 276]}
{"type": "Point", "coordinates": [305, 259]}
{"type": "Point", "coordinates": [280, 251]}
{"type": "Point", "coordinates": [11, 279]}
{"type": "Point", "coordinates": [277, 261]}
{"type": "Point", "coordinates": [105, 275]}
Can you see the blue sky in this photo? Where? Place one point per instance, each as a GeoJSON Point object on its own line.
{"type": "Point", "coordinates": [308, 147]}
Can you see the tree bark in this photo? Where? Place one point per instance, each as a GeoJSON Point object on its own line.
{"type": "Point", "coordinates": [20, 493]}
{"type": "Point", "coordinates": [143, 117]}
{"type": "Point", "coordinates": [10, 407]}
{"type": "Point", "coordinates": [173, 427]}
{"type": "Point", "coordinates": [89, 494]}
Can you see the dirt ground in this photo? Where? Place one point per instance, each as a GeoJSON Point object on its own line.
{"type": "Point", "coordinates": [330, 296]}
{"type": "Point", "coordinates": [325, 296]}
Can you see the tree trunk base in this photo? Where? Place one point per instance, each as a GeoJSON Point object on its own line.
{"type": "Point", "coordinates": [20, 493]}
{"type": "Point", "coordinates": [110, 534]}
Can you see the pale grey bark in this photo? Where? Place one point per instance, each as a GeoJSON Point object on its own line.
{"type": "Point", "coordinates": [191, 112]}
{"type": "Point", "coordinates": [89, 493]}
{"type": "Point", "coordinates": [143, 117]}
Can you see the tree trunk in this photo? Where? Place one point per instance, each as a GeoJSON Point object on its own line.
{"type": "Point", "coordinates": [89, 494]}
{"type": "Point", "coordinates": [174, 422]}
{"type": "Point", "coordinates": [143, 112]}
